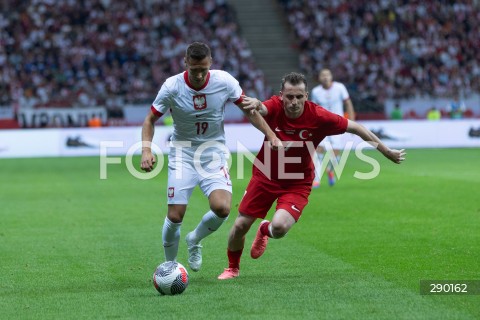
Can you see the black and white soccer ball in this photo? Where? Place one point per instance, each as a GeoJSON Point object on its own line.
{"type": "Point", "coordinates": [170, 278]}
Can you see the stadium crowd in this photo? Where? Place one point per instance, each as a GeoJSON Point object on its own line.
{"type": "Point", "coordinates": [391, 49]}
{"type": "Point", "coordinates": [111, 53]}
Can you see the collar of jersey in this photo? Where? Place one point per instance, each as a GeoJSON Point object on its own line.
{"type": "Point", "coordinates": [185, 76]}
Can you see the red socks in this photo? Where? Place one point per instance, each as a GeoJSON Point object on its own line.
{"type": "Point", "coordinates": [264, 229]}
{"type": "Point", "coordinates": [234, 258]}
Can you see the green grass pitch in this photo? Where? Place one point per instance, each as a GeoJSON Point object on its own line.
{"type": "Point", "coordinates": [76, 247]}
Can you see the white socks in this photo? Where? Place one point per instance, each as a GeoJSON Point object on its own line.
{"type": "Point", "coordinates": [210, 223]}
{"type": "Point", "coordinates": [171, 233]}
{"type": "Point", "coordinates": [170, 237]}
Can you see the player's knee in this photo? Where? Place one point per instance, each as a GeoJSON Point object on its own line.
{"type": "Point", "coordinates": [222, 210]}
{"type": "Point", "coordinates": [279, 230]}
{"type": "Point", "coordinates": [238, 232]}
{"type": "Point", "coordinates": [240, 229]}
{"type": "Point", "coordinates": [175, 217]}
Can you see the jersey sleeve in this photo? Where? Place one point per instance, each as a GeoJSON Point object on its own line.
{"type": "Point", "coordinates": [235, 92]}
{"type": "Point", "coordinates": [331, 123]}
{"type": "Point", "coordinates": [162, 102]}
{"type": "Point", "coordinates": [343, 92]}
{"type": "Point", "coordinates": [272, 106]}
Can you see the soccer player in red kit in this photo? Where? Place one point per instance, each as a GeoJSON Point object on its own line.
{"type": "Point", "coordinates": [286, 174]}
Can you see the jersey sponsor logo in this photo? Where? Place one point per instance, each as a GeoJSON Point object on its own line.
{"type": "Point", "coordinates": [171, 192]}
{"type": "Point", "coordinates": [287, 131]}
{"type": "Point", "coordinates": [295, 208]}
{"type": "Point", "coordinates": [199, 101]}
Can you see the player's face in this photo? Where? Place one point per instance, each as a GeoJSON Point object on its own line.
{"type": "Point", "coordinates": [325, 78]}
{"type": "Point", "coordinates": [198, 70]}
{"type": "Point", "coordinates": [293, 98]}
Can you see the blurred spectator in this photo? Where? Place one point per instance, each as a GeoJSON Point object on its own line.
{"type": "Point", "coordinates": [5, 97]}
{"type": "Point", "coordinates": [434, 114]}
{"type": "Point", "coordinates": [456, 107]}
{"type": "Point", "coordinates": [391, 49]}
{"type": "Point", "coordinates": [412, 114]}
{"type": "Point", "coordinates": [108, 53]}
{"type": "Point", "coordinates": [95, 122]}
{"type": "Point", "coordinates": [28, 100]}
{"type": "Point", "coordinates": [396, 113]}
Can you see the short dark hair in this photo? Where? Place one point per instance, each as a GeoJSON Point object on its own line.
{"type": "Point", "coordinates": [198, 51]}
{"type": "Point", "coordinates": [294, 78]}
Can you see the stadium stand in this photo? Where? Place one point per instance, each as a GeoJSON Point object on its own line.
{"type": "Point", "coordinates": [390, 49]}
{"type": "Point", "coordinates": [81, 54]}
{"type": "Point", "coordinates": [112, 53]}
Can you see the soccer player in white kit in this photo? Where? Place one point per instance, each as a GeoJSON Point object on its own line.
{"type": "Point", "coordinates": [333, 96]}
{"type": "Point", "coordinates": [198, 155]}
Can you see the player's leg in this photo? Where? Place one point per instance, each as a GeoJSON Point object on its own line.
{"type": "Point", "coordinates": [289, 208]}
{"type": "Point", "coordinates": [317, 161]}
{"type": "Point", "coordinates": [281, 223]}
{"type": "Point", "coordinates": [236, 242]}
{"type": "Point", "coordinates": [331, 167]}
{"type": "Point", "coordinates": [181, 182]}
{"type": "Point", "coordinates": [257, 200]}
{"type": "Point", "coordinates": [217, 187]}
{"type": "Point", "coordinates": [336, 143]}
{"type": "Point", "coordinates": [220, 201]}
{"type": "Point", "coordinates": [171, 230]}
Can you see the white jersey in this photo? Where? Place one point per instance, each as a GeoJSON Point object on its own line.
{"type": "Point", "coordinates": [332, 98]}
{"type": "Point", "coordinates": [198, 114]}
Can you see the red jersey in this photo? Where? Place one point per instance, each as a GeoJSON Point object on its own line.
{"type": "Point", "coordinates": [300, 139]}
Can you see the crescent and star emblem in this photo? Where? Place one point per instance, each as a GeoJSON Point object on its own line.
{"type": "Point", "coordinates": [301, 134]}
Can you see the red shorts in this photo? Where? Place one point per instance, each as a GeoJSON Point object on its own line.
{"type": "Point", "coordinates": [261, 193]}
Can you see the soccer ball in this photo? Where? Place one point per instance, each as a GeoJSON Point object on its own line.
{"type": "Point", "coordinates": [170, 278]}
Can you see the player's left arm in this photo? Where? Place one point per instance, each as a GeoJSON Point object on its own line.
{"type": "Point", "coordinates": [251, 104]}
{"type": "Point", "coordinates": [349, 108]}
{"type": "Point", "coordinates": [347, 101]}
{"type": "Point", "coordinates": [393, 155]}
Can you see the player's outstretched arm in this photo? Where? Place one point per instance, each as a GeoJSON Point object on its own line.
{"type": "Point", "coordinates": [249, 103]}
{"type": "Point", "coordinates": [258, 122]}
{"type": "Point", "coordinates": [394, 155]}
{"type": "Point", "coordinates": [148, 129]}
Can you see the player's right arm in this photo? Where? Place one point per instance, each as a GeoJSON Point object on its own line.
{"type": "Point", "coordinates": [148, 129]}
{"type": "Point", "coordinates": [158, 108]}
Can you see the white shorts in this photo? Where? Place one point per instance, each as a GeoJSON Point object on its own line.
{"type": "Point", "coordinates": [189, 167]}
